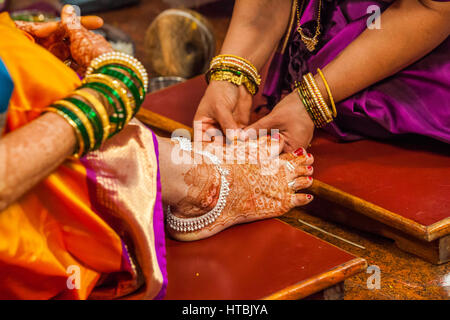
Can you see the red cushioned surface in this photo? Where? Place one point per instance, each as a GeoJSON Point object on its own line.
{"type": "Point", "coordinates": [410, 178]}
{"type": "Point", "coordinates": [249, 261]}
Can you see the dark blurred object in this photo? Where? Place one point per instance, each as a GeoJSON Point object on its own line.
{"type": "Point", "coordinates": [210, 8]}
{"type": "Point", "coordinates": [179, 42]}
{"type": "Point", "coordinates": [51, 7]}
{"type": "Point", "coordinates": [33, 15]}
{"type": "Point", "coordinates": [3, 5]}
{"type": "Point", "coordinates": [90, 6]}
{"type": "Point", "coordinates": [189, 3]}
{"type": "Point", "coordinates": [159, 83]}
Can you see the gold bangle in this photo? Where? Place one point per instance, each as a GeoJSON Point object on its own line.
{"type": "Point", "coordinates": [124, 59]}
{"type": "Point", "coordinates": [123, 93]}
{"type": "Point", "coordinates": [310, 106]}
{"type": "Point", "coordinates": [224, 57]}
{"type": "Point", "coordinates": [315, 99]}
{"type": "Point", "coordinates": [128, 64]}
{"type": "Point", "coordinates": [235, 79]}
{"type": "Point", "coordinates": [313, 105]}
{"type": "Point", "coordinates": [83, 118]}
{"type": "Point", "coordinates": [99, 107]}
{"type": "Point", "coordinates": [318, 94]}
{"type": "Point", "coordinates": [321, 104]}
{"type": "Point", "coordinates": [328, 91]}
{"type": "Point", "coordinates": [236, 68]}
{"type": "Point", "coordinates": [80, 141]}
{"type": "Point", "coordinates": [236, 65]}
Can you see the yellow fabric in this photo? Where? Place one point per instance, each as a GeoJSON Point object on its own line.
{"type": "Point", "coordinates": [52, 227]}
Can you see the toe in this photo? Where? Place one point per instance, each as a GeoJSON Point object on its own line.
{"type": "Point", "coordinates": [301, 183]}
{"type": "Point", "coordinates": [300, 199]}
{"type": "Point", "coordinates": [293, 171]}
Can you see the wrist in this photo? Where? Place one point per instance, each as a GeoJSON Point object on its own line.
{"type": "Point", "coordinates": [307, 122]}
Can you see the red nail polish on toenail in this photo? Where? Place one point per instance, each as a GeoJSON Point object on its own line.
{"type": "Point", "coordinates": [309, 197]}
{"type": "Point", "coordinates": [298, 152]}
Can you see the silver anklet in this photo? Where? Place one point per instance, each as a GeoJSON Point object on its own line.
{"type": "Point", "coordinates": [193, 224]}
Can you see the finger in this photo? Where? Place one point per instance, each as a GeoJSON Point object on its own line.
{"type": "Point", "coordinates": [300, 183]}
{"type": "Point", "coordinates": [203, 127]}
{"type": "Point", "coordinates": [92, 22]}
{"type": "Point", "coordinates": [46, 29]}
{"type": "Point", "coordinates": [37, 29]}
{"type": "Point", "coordinates": [270, 146]}
{"type": "Point", "coordinates": [300, 199]}
{"type": "Point", "coordinates": [252, 131]}
{"type": "Point", "coordinates": [242, 111]}
{"type": "Point", "coordinates": [69, 18]}
{"type": "Point", "coordinates": [227, 123]}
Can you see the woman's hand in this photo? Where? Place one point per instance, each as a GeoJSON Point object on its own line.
{"type": "Point", "coordinates": [85, 45]}
{"type": "Point", "coordinates": [70, 38]}
{"type": "Point", "coordinates": [291, 118]}
{"type": "Point", "coordinates": [224, 106]}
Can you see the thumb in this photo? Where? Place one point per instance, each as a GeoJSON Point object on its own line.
{"type": "Point", "coordinates": [69, 18]}
{"type": "Point", "coordinates": [266, 123]}
{"type": "Point", "coordinates": [228, 124]}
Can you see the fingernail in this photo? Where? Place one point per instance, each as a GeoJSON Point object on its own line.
{"type": "Point", "coordinates": [276, 136]}
{"type": "Point", "coordinates": [310, 178]}
{"type": "Point", "coordinates": [309, 197]}
{"type": "Point", "coordinates": [310, 168]}
{"type": "Point", "coordinates": [310, 155]}
{"type": "Point", "coordinates": [298, 152]}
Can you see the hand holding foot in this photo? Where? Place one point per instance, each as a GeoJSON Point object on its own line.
{"type": "Point", "coordinates": [256, 191]}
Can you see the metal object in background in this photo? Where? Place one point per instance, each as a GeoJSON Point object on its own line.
{"type": "Point", "coordinates": [119, 40]}
{"type": "Point", "coordinates": [159, 83]}
{"type": "Point", "coordinates": [179, 42]}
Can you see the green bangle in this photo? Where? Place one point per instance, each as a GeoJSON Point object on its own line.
{"type": "Point", "coordinates": [114, 93]}
{"type": "Point", "coordinates": [236, 72]}
{"type": "Point", "coordinates": [120, 116]}
{"type": "Point", "coordinates": [128, 83]}
{"type": "Point", "coordinates": [79, 124]}
{"type": "Point", "coordinates": [129, 70]}
{"type": "Point", "coordinates": [93, 118]}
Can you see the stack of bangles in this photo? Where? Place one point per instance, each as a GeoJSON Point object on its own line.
{"type": "Point", "coordinates": [117, 79]}
{"type": "Point", "coordinates": [234, 69]}
{"type": "Point", "coordinates": [320, 113]}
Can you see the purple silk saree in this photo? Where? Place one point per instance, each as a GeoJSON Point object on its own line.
{"type": "Point", "coordinates": [416, 100]}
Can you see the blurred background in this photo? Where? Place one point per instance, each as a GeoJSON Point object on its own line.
{"type": "Point", "coordinates": [174, 39]}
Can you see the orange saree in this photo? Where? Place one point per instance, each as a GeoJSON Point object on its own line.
{"type": "Point", "coordinates": [94, 228]}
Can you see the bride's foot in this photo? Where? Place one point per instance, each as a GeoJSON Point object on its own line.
{"type": "Point", "coordinates": [257, 190]}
